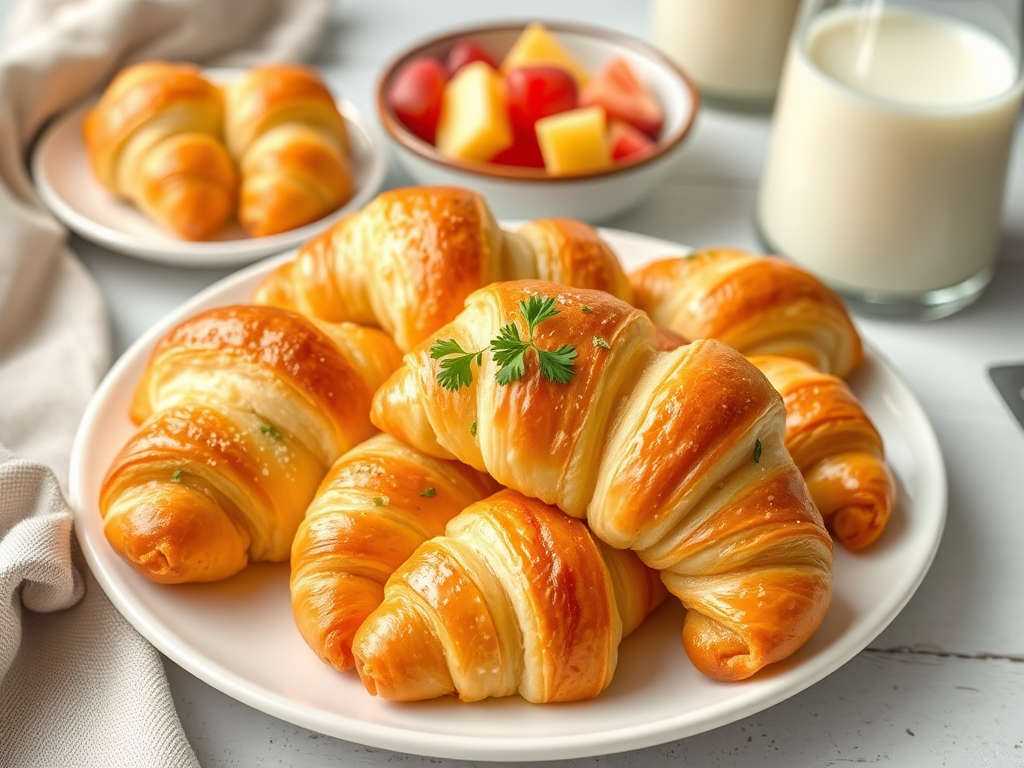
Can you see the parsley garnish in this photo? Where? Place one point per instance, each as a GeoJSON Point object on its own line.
{"type": "Point", "coordinates": [472, 429]}
{"type": "Point", "coordinates": [585, 308]}
{"type": "Point", "coordinates": [429, 493]}
{"type": "Point", "coordinates": [757, 451]}
{"type": "Point", "coordinates": [176, 477]}
{"type": "Point", "coordinates": [270, 431]}
{"type": "Point", "coordinates": [599, 342]}
{"type": "Point", "coordinates": [381, 501]}
{"type": "Point", "coordinates": [456, 372]}
{"type": "Point", "coordinates": [510, 349]}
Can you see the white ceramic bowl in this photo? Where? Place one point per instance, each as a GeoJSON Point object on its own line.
{"type": "Point", "coordinates": [529, 193]}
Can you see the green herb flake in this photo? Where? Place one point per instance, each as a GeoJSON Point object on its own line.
{"type": "Point", "coordinates": [270, 431]}
{"type": "Point", "coordinates": [381, 501]}
{"type": "Point", "coordinates": [599, 342]}
{"type": "Point", "coordinates": [456, 364]}
{"type": "Point", "coordinates": [429, 493]}
{"type": "Point", "coordinates": [585, 308]}
{"type": "Point", "coordinates": [472, 429]}
{"type": "Point", "coordinates": [510, 349]}
{"type": "Point", "coordinates": [176, 476]}
{"type": "Point", "coordinates": [757, 451]}
{"type": "Point", "coordinates": [690, 256]}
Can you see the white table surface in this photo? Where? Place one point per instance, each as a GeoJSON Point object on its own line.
{"type": "Point", "coordinates": [944, 684]}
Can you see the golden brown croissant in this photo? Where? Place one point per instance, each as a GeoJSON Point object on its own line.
{"type": "Point", "coordinates": [284, 128]}
{"type": "Point", "coordinates": [759, 305]}
{"type": "Point", "coordinates": [837, 449]}
{"type": "Point", "coordinates": [242, 411]}
{"type": "Point", "coordinates": [677, 455]}
{"type": "Point", "coordinates": [379, 502]}
{"type": "Point", "coordinates": [154, 139]}
{"type": "Point", "coordinates": [514, 598]}
{"type": "Point", "coordinates": [407, 262]}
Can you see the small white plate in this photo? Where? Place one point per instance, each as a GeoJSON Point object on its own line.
{"type": "Point", "coordinates": [239, 637]}
{"type": "Point", "coordinates": [67, 186]}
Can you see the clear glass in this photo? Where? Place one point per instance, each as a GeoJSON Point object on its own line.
{"type": "Point", "coordinates": [890, 145]}
{"type": "Point", "coordinates": [733, 50]}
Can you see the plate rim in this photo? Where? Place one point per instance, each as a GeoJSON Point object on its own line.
{"type": "Point", "coordinates": [487, 748]}
{"type": "Point", "coordinates": [209, 253]}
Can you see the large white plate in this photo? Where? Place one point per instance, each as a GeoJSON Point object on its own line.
{"type": "Point", "coordinates": [239, 637]}
{"type": "Point", "coordinates": [66, 184]}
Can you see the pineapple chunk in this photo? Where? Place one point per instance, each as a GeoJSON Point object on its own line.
{"type": "Point", "coordinates": [474, 122]}
{"type": "Point", "coordinates": [575, 141]}
{"type": "Point", "coordinates": [536, 47]}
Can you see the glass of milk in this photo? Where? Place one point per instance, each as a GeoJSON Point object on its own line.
{"type": "Point", "coordinates": [732, 49]}
{"type": "Point", "coordinates": [889, 150]}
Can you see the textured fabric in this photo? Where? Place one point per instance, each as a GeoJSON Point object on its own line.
{"type": "Point", "coordinates": [78, 685]}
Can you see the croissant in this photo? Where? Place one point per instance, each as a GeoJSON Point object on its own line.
{"type": "Point", "coordinates": [409, 259]}
{"type": "Point", "coordinates": [284, 128]}
{"type": "Point", "coordinates": [678, 455]}
{"type": "Point", "coordinates": [514, 598]}
{"type": "Point", "coordinates": [836, 447]}
{"type": "Point", "coordinates": [379, 502]}
{"type": "Point", "coordinates": [242, 411]}
{"type": "Point", "coordinates": [153, 139]}
{"type": "Point", "coordinates": [759, 305]}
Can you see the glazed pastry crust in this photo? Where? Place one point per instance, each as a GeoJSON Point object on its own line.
{"type": "Point", "coordinates": [407, 262]}
{"type": "Point", "coordinates": [286, 133]}
{"type": "Point", "coordinates": [154, 139]}
{"type": "Point", "coordinates": [837, 448]}
{"type": "Point", "coordinates": [759, 305]}
{"type": "Point", "coordinates": [242, 411]}
{"type": "Point", "coordinates": [380, 501]}
{"type": "Point", "coordinates": [515, 598]}
{"type": "Point", "coordinates": [677, 455]}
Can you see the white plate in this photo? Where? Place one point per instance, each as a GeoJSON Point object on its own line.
{"type": "Point", "coordinates": [238, 635]}
{"type": "Point", "coordinates": [66, 184]}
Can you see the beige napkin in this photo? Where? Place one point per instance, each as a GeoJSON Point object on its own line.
{"type": "Point", "coordinates": [78, 685]}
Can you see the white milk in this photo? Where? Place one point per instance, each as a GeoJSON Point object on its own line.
{"type": "Point", "coordinates": [889, 151]}
{"type": "Point", "coordinates": [731, 48]}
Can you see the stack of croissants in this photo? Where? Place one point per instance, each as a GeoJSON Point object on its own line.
{"type": "Point", "coordinates": [270, 148]}
{"type": "Point", "coordinates": [560, 447]}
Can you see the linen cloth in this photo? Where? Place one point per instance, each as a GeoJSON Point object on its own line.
{"type": "Point", "coordinates": [78, 685]}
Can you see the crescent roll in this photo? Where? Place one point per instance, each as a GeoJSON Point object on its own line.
{"type": "Point", "coordinates": [242, 410]}
{"type": "Point", "coordinates": [678, 455]}
{"type": "Point", "coordinates": [759, 305]}
{"type": "Point", "coordinates": [379, 502]}
{"type": "Point", "coordinates": [284, 129]}
{"type": "Point", "coordinates": [154, 139]}
{"type": "Point", "coordinates": [409, 259]}
{"type": "Point", "coordinates": [514, 598]}
{"type": "Point", "coordinates": [836, 447]}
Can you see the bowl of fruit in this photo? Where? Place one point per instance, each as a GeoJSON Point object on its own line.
{"type": "Point", "coordinates": [553, 119]}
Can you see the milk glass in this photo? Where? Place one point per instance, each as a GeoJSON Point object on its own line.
{"type": "Point", "coordinates": [732, 49]}
{"type": "Point", "coordinates": [889, 149]}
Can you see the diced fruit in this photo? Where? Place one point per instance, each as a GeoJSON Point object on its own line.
{"type": "Point", "coordinates": [474, 121]}
{"type": "Point", "coordinates": [574, 142]}
{"type": "Point", "coordinates": [466, 52]}
{"type": "Point", "coordinates": [536, 92]}
{"type": "Point", "coordinates": [617, 89]}
{"type": "Point", "coordinates": [628, 143]}
{"type": "Point", "coordinates": [524, 152]}
{"type": "Point", "coordinates": [415, 95]}
{"type": "Point", "coordinates": [536, 47]}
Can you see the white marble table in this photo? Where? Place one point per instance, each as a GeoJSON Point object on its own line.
{"type": "Point", "coordinates": [944, 684]}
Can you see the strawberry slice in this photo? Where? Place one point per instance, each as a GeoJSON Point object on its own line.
{"type": "Point", "coordinates": [628, 143]}
{"type": "Point", "coordinates": [617, 89]}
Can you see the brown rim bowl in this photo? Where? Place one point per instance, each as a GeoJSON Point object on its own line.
{"type": "Point", "coordinates": [592, 46]}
